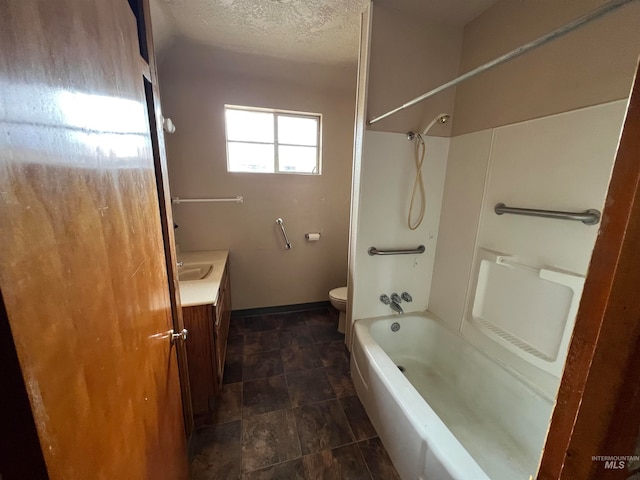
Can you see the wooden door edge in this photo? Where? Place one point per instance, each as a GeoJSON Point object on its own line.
{"type": "Point", "coordinates": [164, 199]}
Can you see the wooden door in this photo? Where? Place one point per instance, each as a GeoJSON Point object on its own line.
{"type": "Point", "coordinates": [82, 261]}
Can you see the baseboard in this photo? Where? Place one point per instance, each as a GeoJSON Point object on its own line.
{"type": "Point", "coordinates": [298, 307]}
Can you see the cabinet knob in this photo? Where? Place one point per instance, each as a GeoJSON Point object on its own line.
{"type": "Point", "coordinates": [179, 336]}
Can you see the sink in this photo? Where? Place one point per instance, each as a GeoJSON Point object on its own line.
{"type": "Point", "coordinates": [195, 271]}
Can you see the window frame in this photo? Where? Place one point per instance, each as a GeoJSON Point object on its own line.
{"type": "Point", "coordinates": [276, 155]}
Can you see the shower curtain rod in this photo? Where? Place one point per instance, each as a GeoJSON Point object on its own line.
{"type": "Point", "coordinates": [558, 32]}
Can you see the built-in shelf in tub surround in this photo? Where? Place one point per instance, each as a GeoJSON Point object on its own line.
{"type": "Point", "coordinates": [205, 291]}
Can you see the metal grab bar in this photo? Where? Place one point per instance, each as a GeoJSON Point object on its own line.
{"type": "Point", "coordinates": [177, 200]}
{"type": "Point", "coordinates": [588, 217]}
{"type": "Point", "coordinates": [558, 32]}
{"type": "Point", "coordinates": [287, 245]}
{"type": "Point", "coordinates": [374, 251]}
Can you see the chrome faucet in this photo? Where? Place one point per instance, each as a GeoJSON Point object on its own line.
{"type": "Point", "coordinates": [395, 306]}
{"type": "Point", "coordinates": [407, 297]}
{"type": "Point", "coordinates": [393, 302]}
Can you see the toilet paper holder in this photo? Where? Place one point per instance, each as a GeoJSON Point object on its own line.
{"type": "Point", "coordinates": [312, 236]}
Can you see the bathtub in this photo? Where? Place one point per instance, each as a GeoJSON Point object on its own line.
{"type": "Point", "coordinates": [453, 413]}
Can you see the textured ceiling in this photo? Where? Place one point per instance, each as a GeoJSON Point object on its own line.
{"type": "Point", "coordinates": [323, 31]}
{"type": "Point", "coordinates": [319, 31]}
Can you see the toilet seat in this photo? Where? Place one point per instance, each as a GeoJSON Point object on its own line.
{"type": "Point", "coordinates": [339, 294]}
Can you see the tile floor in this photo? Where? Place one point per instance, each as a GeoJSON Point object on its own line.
{"type": "Point", "coordinates": [288, 409]}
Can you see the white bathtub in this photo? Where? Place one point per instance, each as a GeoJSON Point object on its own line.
{"type": "Point", "coordinates": [454, 413]}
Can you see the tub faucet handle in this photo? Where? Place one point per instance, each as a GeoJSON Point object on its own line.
{"type": "Point", "coordinates": [396, 298]}
{"type": "Point", "coordinates": [406, 297]}
{"type": "Point", "coordinates": [385, 299]}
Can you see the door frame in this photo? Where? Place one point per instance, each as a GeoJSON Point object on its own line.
{"type": "Point", "coordinates": [21, 455]}
{"type": "Point", "coordinates": [597, 411]}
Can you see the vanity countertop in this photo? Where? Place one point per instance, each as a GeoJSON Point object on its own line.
{"type": "Point", "coordinates": [205, 291]}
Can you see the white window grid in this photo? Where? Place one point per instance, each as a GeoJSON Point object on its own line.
{"type": "Point", "coordinates": [277, 113]}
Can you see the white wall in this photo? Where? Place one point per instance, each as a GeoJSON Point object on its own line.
{"type": "Point", "coordinates": [263, 273]}
{"type": "Point", "coordinates": [559, 162]}
{"type": "Point", "coordinates": [486, 112]}
{"type": "Point", "coordinates": [590, 66]}
{"type": "Point", "coordinates": [459, 220]}
{"type": "Point", "coordinates": [388, 173]}
{"type": "Point", "coordinates": [411, 54]}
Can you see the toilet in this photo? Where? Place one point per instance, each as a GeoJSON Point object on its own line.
{"type": "Point", "coordinates": [338, 298]}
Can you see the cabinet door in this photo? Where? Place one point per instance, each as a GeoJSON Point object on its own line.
{"type": "Point", "coordinates": [200, 351]}
{"type": "Point", "coordinates": [223, 316]}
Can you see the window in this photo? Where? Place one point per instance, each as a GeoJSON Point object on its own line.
{"type": "Point", "coordinates": [272, 141]}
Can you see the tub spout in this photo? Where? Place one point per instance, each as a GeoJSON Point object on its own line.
{"type": "Point", "coordinates": [396, 308]}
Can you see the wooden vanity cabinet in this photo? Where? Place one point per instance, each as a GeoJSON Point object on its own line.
{"type": "Point", "coordinates": [208, 327]}
{"type": "Point", "coordinates": [222, 319]}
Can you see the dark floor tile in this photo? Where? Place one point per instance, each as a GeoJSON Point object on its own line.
{"type": "Point", "coordinates": [323, 317]}
{"type": "Point", "coordinates": [377, 459]}
{"type": "Point", "coordinates": [334, 312]}
{"type": "Point", "coordinates": [268, 439]}
{"type": "Point", "coordinates": [343, 463]}
{"type": "Point", "coordinates": [322, 426]}
{"type": "Point", "coordinates": [293, 470]}
{"type": "Point", "coordinates": [334, 354]}
{"type": "Point", "coordinates": [297, 336]}
{"type": "Point", "coordinates": [232, 369]}
{"type": "Point", "coordinates": [291, 320]}
{"type": "Point", "coordinates": [309, 386]}
{"type": "Point", "coordinates": [357, 418]}
{"type": "Point", "coordinates": [218, 452]}
{"type": "Point", "coordinates": [261, 342]}
{"type": "Point", "coordinates": [211, 437]}
{"type": "Point", "coordinates": [228, 405]}
{"type": "Point", "coordinates": [295, 359]}
{"type": "Point", "coordinates": [235, 344]}
{"type": "Point", "coordinates": [340, 380]}
{"type": "Point", "coordinates": [260, 323]}
{"type": "Point", "coordinates": [235, 326]}
{"type": "Point", "coordinates": [260, 365]}
{"type": "Point", "coordinates": [264, 395]}
{"type": "Point", "coordinates": [324, 333]}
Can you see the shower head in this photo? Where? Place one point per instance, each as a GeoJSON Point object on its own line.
{"type": "Point", "coordinates": [440, 119]}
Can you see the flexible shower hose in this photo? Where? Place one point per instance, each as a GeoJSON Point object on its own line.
{"type": "Point", "coordinates": [418, 184]}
